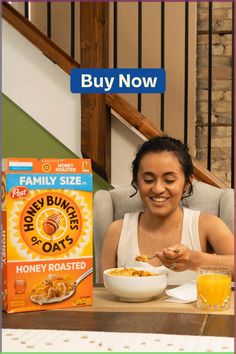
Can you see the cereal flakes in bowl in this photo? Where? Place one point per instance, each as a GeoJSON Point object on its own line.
{"type": "Point", "coordinates": [134, 284]}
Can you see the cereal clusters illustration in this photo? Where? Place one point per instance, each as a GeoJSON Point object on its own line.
{"type": "Point", "coordinates": [54, 287]}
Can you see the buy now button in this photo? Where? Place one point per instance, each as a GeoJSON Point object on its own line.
{"type": "Point", "coordinates": [117, 80]}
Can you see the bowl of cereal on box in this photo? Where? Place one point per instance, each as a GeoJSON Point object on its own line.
{"type": "Point", "coordinates": [135, 284]}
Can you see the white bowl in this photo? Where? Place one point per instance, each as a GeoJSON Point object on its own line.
{"type": "Point", "coordinates": [136, 289]}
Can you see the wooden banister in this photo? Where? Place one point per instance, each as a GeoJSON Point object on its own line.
{"type": "Point", "coordinates": [202, 174]}
{"type": "Point", "coordinates": [40, 40]}
{"type": "Point", "coordinates": [147, 128]}
{"type": "Point", "coordinates": [91, 147]}
{"type": "Point", "coordinates": [113, 101]}
{"type": "Point", "coordinates": [132, 116]}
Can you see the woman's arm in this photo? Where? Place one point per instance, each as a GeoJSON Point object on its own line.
{"type": "Point", "coordinates": [202, 258]}
{"type": "Point", "coordinates": [212, 230]}
{"type": "Point", "coordinates": [217, 234]}
{"type": "Point", "coordinates": [221, 239]}
{"type": "Point", "coordinates": [108, 257]}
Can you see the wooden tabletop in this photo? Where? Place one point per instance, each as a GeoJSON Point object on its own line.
{"type": "Point", "coordinates": [169, 323]}
{"type": "Point", "coordinates": [121, 319]}
{"type": "Point", "coordinates": [104, 301]}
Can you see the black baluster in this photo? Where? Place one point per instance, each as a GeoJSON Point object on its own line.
{"type": "Point", "coordinates": [232, 102]}
{"type": "Point", "coordinates": [162, 62]}
{"type": "Point", "coordinates": [139, 49]}
{"type": "Point", "coordinates": [49, 19]}
{"type": "Point", "coordinates": [209, 85]}
{"type": "Point", "coordinates": [72, 29]}
{"type": "Point", "coordinates": [115, 33]}
{"type": "Point", "coordinates": [27, 10]}
{"type": "Point", "coordinates": [186, 58]}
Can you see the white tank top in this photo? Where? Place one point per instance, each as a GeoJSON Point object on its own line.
{"type": "Point", "coordinates": [128, 247]}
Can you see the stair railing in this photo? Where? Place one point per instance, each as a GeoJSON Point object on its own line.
{"type": "Point", "coordinates": [114, 103]}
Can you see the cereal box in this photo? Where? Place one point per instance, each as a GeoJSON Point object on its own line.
{"type": "Point", "coordinates": [46, 234]}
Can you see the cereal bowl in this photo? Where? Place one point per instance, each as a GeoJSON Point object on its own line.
{"type": "Point", "coordinates": [136, 287]}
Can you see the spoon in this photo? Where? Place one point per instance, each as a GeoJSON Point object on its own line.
{"type": "Point", "coordinates": [44, 300]}
{"type": "Point", "coordinates": [146, 258]}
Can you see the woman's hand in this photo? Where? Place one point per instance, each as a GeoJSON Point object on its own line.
{"type": "Point", "coordinates": [177, 257]}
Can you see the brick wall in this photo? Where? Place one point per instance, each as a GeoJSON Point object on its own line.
{"type": "Point", "coordinates": [221, 88]}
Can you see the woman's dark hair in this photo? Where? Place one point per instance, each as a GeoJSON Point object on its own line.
{"type": "Point", "coordinates": [160, 144]}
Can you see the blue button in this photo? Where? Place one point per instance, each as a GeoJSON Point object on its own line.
{"type": "Point", "coordinates": [117, 80]}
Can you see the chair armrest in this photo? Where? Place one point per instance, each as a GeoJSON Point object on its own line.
{"type": "Point", "coordinates": [227, 208]}
{"type": "Point", "coordinates": [103, 215]}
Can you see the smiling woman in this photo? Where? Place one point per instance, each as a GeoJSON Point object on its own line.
{"type": "Point", "coordinates": [162, 174]}
{"type": "Point", "coordinates": [161, 183]}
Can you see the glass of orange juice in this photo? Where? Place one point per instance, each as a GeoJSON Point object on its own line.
{"type": "Point", "coordinates": [213, 288]}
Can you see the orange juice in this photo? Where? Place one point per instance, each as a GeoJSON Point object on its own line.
{"type": "Point", "coordinates": [47, 234]}
{"type": "Point", "coordinates": [214, 289]}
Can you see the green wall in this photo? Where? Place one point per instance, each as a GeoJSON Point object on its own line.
{"type": "Point", "coordinates": [22, 136]}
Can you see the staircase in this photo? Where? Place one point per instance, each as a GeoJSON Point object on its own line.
{"type": "Point", "coordinates": [99, 114]}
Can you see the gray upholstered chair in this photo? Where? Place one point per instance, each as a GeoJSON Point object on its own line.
{"type": "Point", "coordinates": [112, 205]}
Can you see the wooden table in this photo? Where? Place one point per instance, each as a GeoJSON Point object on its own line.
{"type": "Point", "coordinates": [116, 316]}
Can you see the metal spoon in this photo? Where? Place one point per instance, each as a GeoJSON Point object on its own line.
{"type": "Point", "coordinates": [62, 298]}
{"type": "Point", "coordinates": [145, 258]}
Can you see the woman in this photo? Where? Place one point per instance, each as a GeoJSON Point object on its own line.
{"type": "Point", "coordinates": [162, 174]}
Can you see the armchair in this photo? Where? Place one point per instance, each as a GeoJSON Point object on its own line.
{"type": "Point", "coordinates": [112, 205]}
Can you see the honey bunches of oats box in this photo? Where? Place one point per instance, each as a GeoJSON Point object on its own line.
{"type": "Point", "coordinates": [47, 234]}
